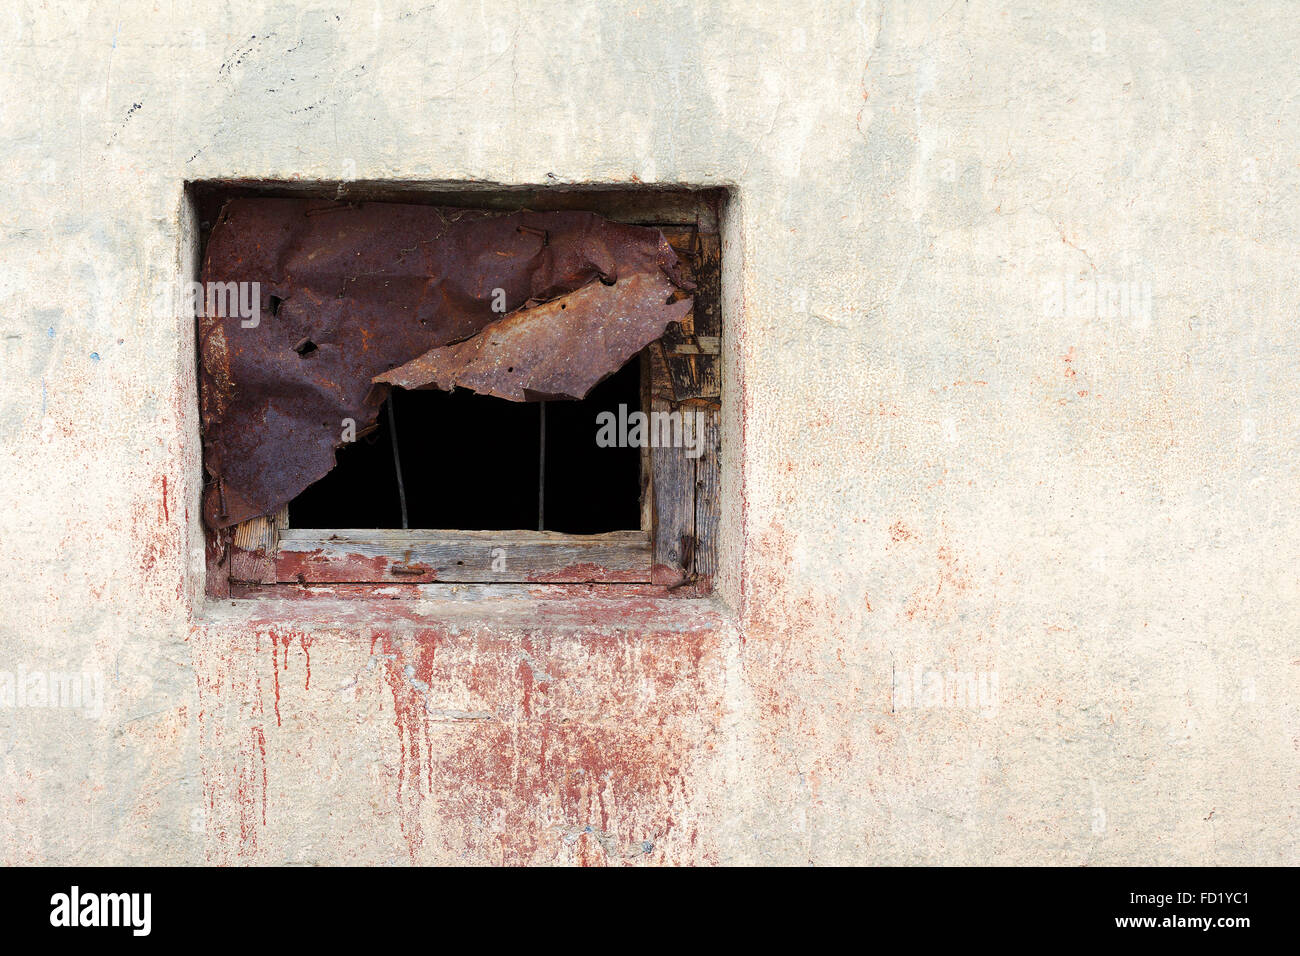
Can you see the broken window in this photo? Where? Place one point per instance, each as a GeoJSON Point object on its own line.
{"type": "Point", "coordinates": [409, 393]}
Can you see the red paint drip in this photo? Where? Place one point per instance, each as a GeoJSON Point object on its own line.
{"type": "Point", "coordinates": [261, 745]}
{"type": "Point", "coordinates": [305, 642]}
{"type": "Point", "coordinates": [411, 721]}
{"type": "Point", "coordinates": [275, 669]}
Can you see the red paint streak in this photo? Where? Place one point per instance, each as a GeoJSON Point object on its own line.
{"type": "Point", "coordinates": [275, 669]}
{"type": "Point", "coordinates": [584, 750]}
{"type": "Point", "coordinates": [261, 746]}
{"type": "Point", "coordinates": [305, 642]}
{"type": "Point", "coordinates": [166, 514]}
{"type": "Point", "coordinates": [251, 790]}
{"type": "Point", "coordinates": [279, 662]}
{"type": "Point", "coordinates": [410, 718]}
{"type": "Point", "coordinates": [606, 786]}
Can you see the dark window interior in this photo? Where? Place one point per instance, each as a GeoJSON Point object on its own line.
{"type": "Point", "coordinates": [470, 463]}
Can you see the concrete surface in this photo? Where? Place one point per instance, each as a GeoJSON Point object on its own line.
{"type": "Point", "coordinates": [946, 466]}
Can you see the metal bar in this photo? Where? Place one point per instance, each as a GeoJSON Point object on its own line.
{"type": "Point", "coordinates": [397, 459]}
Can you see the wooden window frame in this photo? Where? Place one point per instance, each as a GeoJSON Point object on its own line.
{"type": "Point", "coordinates": [674, 550]}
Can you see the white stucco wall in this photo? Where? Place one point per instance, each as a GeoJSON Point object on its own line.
{"type": "Point", "coordinates": [924, 466]}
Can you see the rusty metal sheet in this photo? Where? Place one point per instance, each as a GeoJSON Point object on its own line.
{"type": "Point", "coordinates": [559, 349]}
{"type": "Point", "coordinates": [348, 293]}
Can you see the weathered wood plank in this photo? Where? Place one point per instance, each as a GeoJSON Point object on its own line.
{"type": "Point", "coordinates": [252, 550]}
{"type": "Point", "coordinates": [707, 489]}
{"type": "Point", "coordinates": [217, 564]}
{"type": "Point", "coordinates": [708, 317]}
{"type": "Point", "coordinates": [673, 489]}
{"type": "Point", "coordinates": [458, 593]}
{"type": "Point", "coordinates": [674, 479]}
{"type": "Point", "coordinates": [691, 348]}
{"type": "Point", "coordinates": [314, 555]}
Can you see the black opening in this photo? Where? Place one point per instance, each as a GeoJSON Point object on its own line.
{"type": "Point", "coordinates": [470, 462]}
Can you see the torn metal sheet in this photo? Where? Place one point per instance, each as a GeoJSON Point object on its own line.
{"type": "Point", "coordinates": [348, 293]}
{"type": "Point", "coordinates": [557, 350]}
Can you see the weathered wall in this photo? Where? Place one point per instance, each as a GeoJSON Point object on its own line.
{"type": "Point", "coordinates": [928, 463]}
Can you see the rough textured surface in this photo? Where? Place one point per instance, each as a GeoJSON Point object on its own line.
{"type": "Point", "coordinates": [940, 452]}
{"type": "Point", "coordinates": [335, 297]}
{"type": "Point", "coordinates": [559, 349]}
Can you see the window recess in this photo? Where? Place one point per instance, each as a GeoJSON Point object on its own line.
{"type": "Point", "coordinates": [476, 455]}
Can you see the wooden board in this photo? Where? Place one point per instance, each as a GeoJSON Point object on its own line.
{"type": "Point", "coordinates": [672, 486]}
{"type": "Point", "coordinates": [253, 547]}
{"type": "Point", "coordinates": [707, 501]}
{"type": "Point", "coordinates": [315, 555]}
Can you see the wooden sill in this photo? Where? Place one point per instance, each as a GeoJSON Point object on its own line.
{"type": "Point", "coordinates": [331, 556]}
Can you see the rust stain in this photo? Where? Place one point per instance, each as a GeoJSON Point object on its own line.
{"type": "Point", "coordinates": [347, 293]}
{"type": "Point", "coordinates": [900, 532]}
{"type": "Point", "coordinates": [937, 602]}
